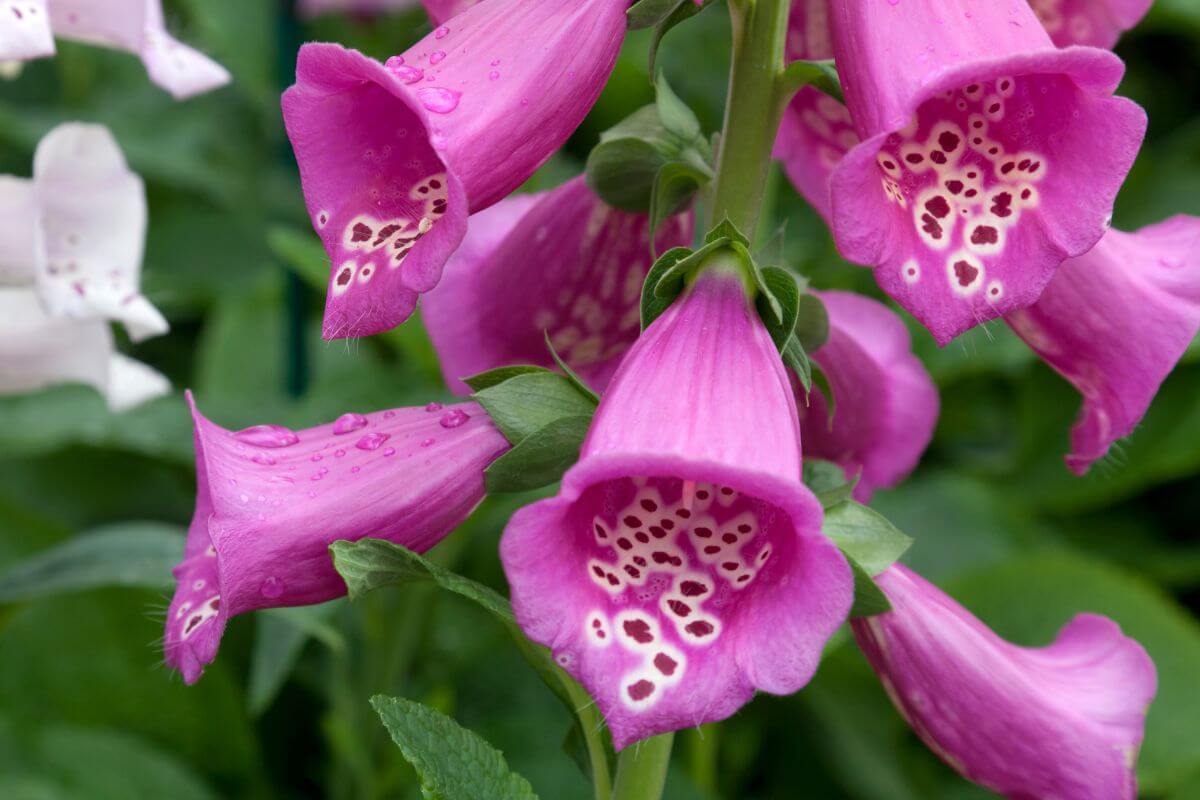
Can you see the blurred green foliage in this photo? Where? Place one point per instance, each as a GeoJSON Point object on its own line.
{"type": "Point", "coordinates": [85, 712]}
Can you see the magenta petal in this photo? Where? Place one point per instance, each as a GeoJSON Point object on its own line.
{"type": "Point", "coordinates": [681, 565]}
{"type": "Point", "coordinates": [988, 156]}
{"type": "Point", "coordinates": [1063, 721]}
{"type": "Point", "coordinates": [562, 263]}
{"type": "Point", "coordinates": [269, 502]}
{"type": "Point", "coordinates": [1114, 322]}
{"type": "Point", "coordinates": [1098, 23]}
{"type": "Point", "coordinates": [441, 10]}
{"type": "Point", "coordinates": [886, 405]}
{"type": "Point", "coordinates": [392, 159]}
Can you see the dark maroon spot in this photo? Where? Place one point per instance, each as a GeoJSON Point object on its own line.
{"type": "Point", "coordinates": [669, 524]}
{"type": "Point", "coordinates": [679, 608]}
{"type": "Point", "coordinates": [642, 537]}
{"type": "Point", "coordinates": [1004, 85]}
{"type": "Point", "coordinates": [974, 87]}
{"type": "Point", "coordinates": [657, 531]}
{"type": "Point", "coordinates": [660, 557]}
{"type": "Point", "coordinates": [743, 528]}
{"type": "Point", "coordinates": [703, 495]}
{"type": "Point", "coordinates": [1024, 163]}
{"type": "Point", "coordinates": [596, 623]}
{"type": "Point", "coordinates": [711, 549]}
{"type": "Point", "coordinates": [970, 192]}
{"type": "Point", "coordinates": [1025, 194]}
{"type": "Point", "coordinates": [665, 664]}
{"type": "Point", "coordinates": [360, 233]}
{"type": "Point", "coordinates": [985, 234]}
{"type": "Point", "coordinates": [366, 271]}
{"type": "Point", "coordinates": [436, 184]}
{"type": "Point", "coordinates": [948, 141]}
{"type": "Point", "coordinates": [993, 150]}
{"type": "Point", "coordinates": [640, 690]}
{"type": "Point", "coordinates": [649, 505]}
{"type": "Point", "coordinates": [730, 565]}
{"type": "Point", "coordinates": [192, 623]}
{"type": "Point", "coordinates": [1007, 167]}
{"type": "Point", "coordinates": [972, 174]}
{"type": "Point", "coordinates": [344, 276]}
{"type": "Point", "coordinates": [993, 108]}
{"type": "Point", "coordinates": [702, 532]}
{"type": "Point", "coordinates": [613, 579]}
{"type": "Point", "coordinates": [641, 562]}
{"type": "Point", "coordinates": [931, 226]}
{"type": "Point", "coordinates": [633, 521]}
{"type": "Point", "coordinates": [937, 157]}
{"type": "Point", "coordinates": [977, 140]}
{"type": "Point", "coordinates": [965, 273]}
{"type": "Point", "coordinates": [743, 578]}
{"type": "Point", "coordinates": [599, 572]}
{"type": "Point", "coordinates": [955, 186]}
{"type": "Point", "coordinates": [914, 158]}
{"type": "Point", "coordinates": [423, 189]}
{"type": "Point", "coordinates": [683, 513]}
{"type": "Point", "coordinates": [384, 233]}
{"type": "Point", "coordinates": [889, 164]}
{"type": "Point", "coordinates": [601, 635]}
{"type": "Point", "coordinates": [600, 532]}
{"type": "Point", "coordinates": [624, 543]}
{"type": "Point", "coordinates": [699, 628]}
{"type": "Point", "coordinates": [938, 206]}
{"type": "Point", "coordinates": [692, 588]}
{"type": "Point", "coordinates": [725, 490]}
{"type": "Point", "coordinates": [638, 630]}
{"type": "Point", "coordinates": [1001, 205]}
{"type": "Point", "coordinates": [977, 124]}
{"type": "Point", "coordinates": [995, 291]}
{"type": "Point", "coordinates": [1034, 167]}
{"type": "Point", "coordinates": [632, 572]}
{"type": "Point", "coordinates": [729, 538]}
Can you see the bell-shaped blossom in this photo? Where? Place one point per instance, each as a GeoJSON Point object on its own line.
{"type": "Point", "coordinates": [27, 28]}
{"type": "Point", "coordinates": [393, 158]}
{"type": "Point", "coordinates": [561, 263]}
{"type": "Point", "coordinates": [312, 8]}
{"type": "Point", "coordinates": [1114, 322]}
{"type": "Point", "coordinates": [1062, 721]}
{"type": "Point", "coordinates": [76, 231]}
{"type": "Point", "coordinates": [38, 350]}
{"type": "Point", "coordinates": [988, 156]}
{"type": "Point", "coordinates": [681, 566]}
{"type": "Point", "coordinates": [270, 501]}
{"type": "Point", "coordinates": [1098, 23]}
{"type": "Point", "coordinates": [885, 403]}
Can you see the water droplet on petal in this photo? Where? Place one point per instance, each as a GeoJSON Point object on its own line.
{"type": "Point", "coordinates": [494, 75]}
{"type": "Point", "coordinates": [404, 72]}
{"type": "Point", "coordinates": [339, 453]}
{"type": "Point", "coordinates": [434, 407]}
{"type": "Point", "coordinates": [391, 451]}
{"type": "Point", "coordinates": [268, 436]}
{"type": "Point", "coordinates": [437, 56]}
{"type": "Point", "coordinates": [389, 414]}
{"type": "Point", "coordinates": [372, 441]}
{"type": "Point", "coordinates": [426, 442]}
{"type": "Point", "coordinates": [348, 423]}
{"type": "Point", "coordinates": [264, 459]}
{"type": "Point", "coordinates": [453, 419]}
{"type": "Point", "coordinates": [438, 99]}
{"type": "Point", "coordinates": [441, 33]}
{"type": "Point", "coordinates": [317, 457]}
{"type": "Point", "coordinates": [271, 588]}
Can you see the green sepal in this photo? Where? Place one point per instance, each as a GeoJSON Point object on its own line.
{"type": "Point", "coordinates": [672, 281]}
{"type": "Point", "coordinates": [571, 375]}
{"type": "Point", "coordinates": [796, 359]}
{"type": "Point", "coordinates": [494, 377]}
{"type": "Point", "coordinates": [540, 458]}
{"type": "Point", "coordinates": [827, 481]}
{"type": "Point", "coordinates": [653, 304]}
{"type": "Point", "coordinates": [725, 229]}
{"type": "Point", "coordinates": [869, 599]}
{"type": "Point", "coordinates": [674, 114]}
{"type": "Point", "coordinates": [812, 323]}
{"type": "Point", "coordinates": [821, 380]}
{"type": "Point", "coordinates": [779, 317]}
{"type": "Point", "coordinates": [683, 11]}
{"type": "Point", "coordinates": [865, 535]}
{"type": "Point", "coordinates": [649, 13]}
{"type": "Point", "coordinates": [674, 187]}
{"type": "Point", "coordinates": [821, 74]}
{"type": "Point", "coordinates": [527, 402]}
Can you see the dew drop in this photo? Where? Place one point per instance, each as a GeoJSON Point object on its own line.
{"type": "Point", "coordinates": [317, 457]}
{"type": "Point", "coordinates": [453, 419]}
{"type": "Point", "coordinates": [427, 443]}
{"type": "Point", "coordinates": [268, 436]}
{"type": "Point", "coordinates": [437, 56]}
{"type": "Point", "coordinates": [271, 588]}
{"type": "Point", "coordinates": [434, 407]}
{"type": "Point", "coordinates": [389, 414]}
{"type": "Point", "coordinates": [439, 100]}
{"type": "Point", "coordinates": [264, 459]}
{"type": "Point", "coordinates": [372, 441]}
{"type": "Point", "coordinates": [406, 73]}
{"type": "Point", "coordinates": [391, 451]}
{"type": "Point", "coordinates": [494, 75]}
{"type": "Point", "coordinates": [441, 33]}
{"type": "Point", "coordinates": [348, 423]}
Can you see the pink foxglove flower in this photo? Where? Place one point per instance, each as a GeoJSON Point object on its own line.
{"type": "Point", "coordinates": [885, 403]}
{"type": "Point", "coordinates": [496, 302]}
{"type": "Point", "coordinates": [77, 229]}
{"type": "Point", "coordinates": [1063, 721]}
{"type": "Point", "coordinates": [393, 158]}
{"type": "Point", "coordinates": [38, 350]}
{"type": "Point", "coordinates": [681, 566]}
{"type": "Point", "coordinates": [136, 26]}
{"type": "Point", "coordinates": [270, 501]}
{"type": "Point", "coordinates": [312, 8]}
{"type": "Point", "coordinates": [988, 155]}
{"type": "Point", "coordinates": [1114, 322]}
{"type": "Point", "coordinates": [1098, 23]}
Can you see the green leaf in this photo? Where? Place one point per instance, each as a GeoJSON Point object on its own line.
{"type": "Point", "coordinates": [528, 402]}
{"type": "Point", "coordinates": [575, 380]}
{"type": "Point", "coordinates": [674, 187]}
{"type": "Point", "coordinates": [371, 563]}
{"type": "Point", "coordinates": [622, 171]}
{"type": "Point", "coordinates": [865, 535]}
{"type": "Point", "coordinates": [280, 636]}
{"type": "Point", "coordinates": [821, 74]}
{"type": "Point", "coordinates": [684, 10]}
{"type": "Point", "coordinates": [812, 323]}
{"type": "Point", "coordinates": [869, 599]}
{"type": "Point", "coordinates": [128, 554]}
{"type": "Point", "coordinates": [779, 318]}
{"type": "Point", "coordinates": [1027, 600]}
{"type": "Point", "coordinates": [725, 229]}
{"type": "Point", "coordinates": [674, 113]}
{"type": "Point", "coordinates": [822, 381]}
{"type": "Point", "coordinates": [827, 481]}
{"type": "Point", "coordinates": [652, 303]}
{"type": "Point", "coordinates": [797, 360]}
{"type": "Point", "coordinates": [452, 762]}
{"type": "Point", "coordinates": [494, 377]}
{"type": "Point", "coordinates": [540, 458]}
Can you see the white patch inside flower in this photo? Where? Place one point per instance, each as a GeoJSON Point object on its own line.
{"type": "Point", "coordinates": [911, 271]}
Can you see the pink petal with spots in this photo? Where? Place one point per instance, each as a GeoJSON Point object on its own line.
{"type": "Point", "coordinates": [1097, 23]}
{"type": "Point", "coordinates": [886, 405]}
{"type": "Point", "coordinates": [25, 30]}
{"type": "Point", "coordinates": [1114, 322]}
{"type": "Point", "coordinates": [137, 26]}
{"type": "Point", "coordinates": [392, 159]}
{"type": "Point", "coordinates": [988, 156]}
{"type": "Point", "coordinates": [681, 566]}
{"type": "Point", "coordinates": [1063, 721]}
{"type": "Point", "coordinates": [313, 8]}
{"type": "Point", "coordinates": [269, 502]}
{"type": "Point", "coordinates": [562, 263]}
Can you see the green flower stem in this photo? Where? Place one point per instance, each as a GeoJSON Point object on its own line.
{"type": "Point", "coordinates": [752, 112]}
{"type": "Point", "coordinates": [592, 724]}
{"type": "Point", "coordinates": [642, 769]}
